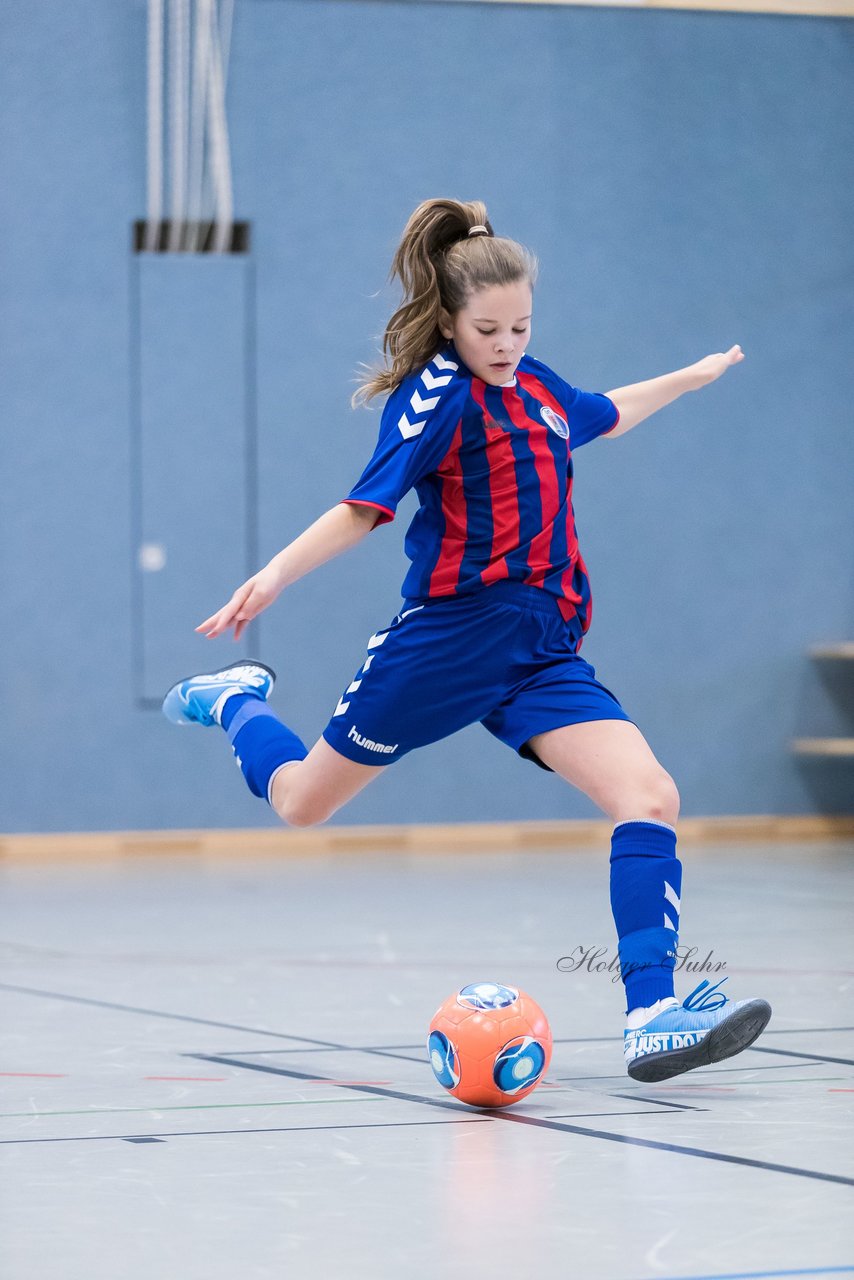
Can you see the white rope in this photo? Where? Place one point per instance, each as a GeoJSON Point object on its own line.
{"type": "Point", "coordinates": [179, 54]}
{"type": "Point", "coordinates": [201, 192]}
{"type": "Point", "coordinates": [219, 151]}
{"type": "Point", "coordinates": [154, 148]}
{"type": "Point", "coordinates": [226, 26]}
{"type": "Point", "coordinates": [201, 75]}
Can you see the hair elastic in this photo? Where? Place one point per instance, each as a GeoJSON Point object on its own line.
{"type": "Point", "coordinates": [479, 230]}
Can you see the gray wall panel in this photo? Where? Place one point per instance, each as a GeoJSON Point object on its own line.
{"type": "Point", "coordinates": [195, 454]}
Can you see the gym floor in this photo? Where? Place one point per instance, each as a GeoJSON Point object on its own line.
{"type": "Point", "coordinates": [216, 1067]}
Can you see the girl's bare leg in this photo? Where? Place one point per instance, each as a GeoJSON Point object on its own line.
{"type": "Point", "coordinates": [611, 762]}
{"type": "Point", "coordinates": [306, 792]}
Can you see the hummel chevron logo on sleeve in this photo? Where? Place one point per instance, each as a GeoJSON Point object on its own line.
{"type": "Point", "coordinates": [431, 381]}
{"type": "Point", "coordinates": [411, 423]}
{"type": "Point", "coordinates": [409, 429]}
{"type": "Point", "coordinates": [424, 406]}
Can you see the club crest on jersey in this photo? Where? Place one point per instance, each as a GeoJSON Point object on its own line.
{"type": "Point", "coordinates": [558, 425]}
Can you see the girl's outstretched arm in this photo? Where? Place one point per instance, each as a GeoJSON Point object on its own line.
{"type": "Point", "coordinates": [335, 531]}
{"type": "Point", "coordinates": [642, 399]}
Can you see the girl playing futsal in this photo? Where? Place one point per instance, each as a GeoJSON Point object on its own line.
{"type": "Point", "coordinates": [495, 605]}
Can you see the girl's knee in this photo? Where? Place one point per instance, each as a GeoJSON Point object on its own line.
{"type": "Point", "coordinates": [667, 799]}
{"type": "Point", "coordinates": [293, 802]}
{"type": "Point", "coordinates": [657, 799]}
{"type": "Point", "coordinates": [298, 811]}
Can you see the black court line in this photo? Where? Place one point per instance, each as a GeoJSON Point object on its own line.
{"type": "Point", "coordinates": [378, 1090]}
{"type": "Point", "coordinates": [707, 1071]}
{"type": "Point", "coordinates": [679, 1150]}
{"type": "Point", "coordinates": [314, 1045]}
{"type": "Point", "coordinates": [595, 1115]}
{"type": "Point", "coordinates": [219, 1133]}
{"type": "Point", "coordinates": [812, 1057]}
{"type": "Point", "coordinates": [565, 1040]}
{"type": "Point", "coordinates": [334, 1048]}
{"type": "Point", "coordinates": [378, 1050]}
{"type": "Point", "coordinates": [344, 1048]}
{"type": "Point", "coordinates": [802, 1031]}
{"type": "Point", "coordinates": [659, 1102]}
{"type": "Point", "coordinates": [174, 1017]}
{"type": "Point", "coordinates": [390, 1050]}
{"type": "Point", "coordinates": [783, 1031]}
{"type": "Point", "coordinates": [539, 1123]}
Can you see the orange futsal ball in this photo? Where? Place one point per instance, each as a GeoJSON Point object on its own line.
{"type": "Point", "coordinates": [489, 1045]}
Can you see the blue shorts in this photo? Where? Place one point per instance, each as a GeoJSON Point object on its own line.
{"type": "Point", "coordinates": [502, 655]}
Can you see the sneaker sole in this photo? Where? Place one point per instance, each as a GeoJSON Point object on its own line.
{"type": "Point", "coordinates": [729, 1037]}
{"type": "Point", "coordinates": [247, 662]}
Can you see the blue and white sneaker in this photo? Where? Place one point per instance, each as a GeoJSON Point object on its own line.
{"type": "Point", "coordinates": [200, 699]}
{"type": "Point", "coordinates": [705, 1028]}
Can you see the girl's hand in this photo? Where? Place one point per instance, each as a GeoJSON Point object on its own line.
{"type": "Point", "coordinates": [710, 369]}
{"type": "Point", "coordinates": [246, 603]}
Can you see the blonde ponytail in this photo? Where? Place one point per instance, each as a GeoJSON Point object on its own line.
{"type": "Point", "coordinates": [440, 266]}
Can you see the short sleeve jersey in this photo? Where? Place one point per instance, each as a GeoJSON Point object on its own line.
{"type": "Point", "coordinates": [492, 468]}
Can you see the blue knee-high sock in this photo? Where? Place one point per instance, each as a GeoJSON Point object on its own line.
{"type": "Point", "coordinates": [259, 740]}
{"type": "Point", "coordinates": [646, 884]}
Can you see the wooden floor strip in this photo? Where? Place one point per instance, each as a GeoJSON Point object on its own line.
{"type": "Point", "coordinates": [464, 837]}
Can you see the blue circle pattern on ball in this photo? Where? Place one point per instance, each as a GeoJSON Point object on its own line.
{"type": "Point", "coordinates": [487, 995]}
{"type": "Point", "coordinates": [519, 1064]}
{"type": "Point", "coordinates": [444, 1060]}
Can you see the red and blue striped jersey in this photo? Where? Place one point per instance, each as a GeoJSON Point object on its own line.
{"type": "Point", "coordinates": [492, 468]}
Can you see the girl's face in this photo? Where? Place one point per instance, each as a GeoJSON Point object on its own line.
{"type": "Point", "coordinates": [492, 330]}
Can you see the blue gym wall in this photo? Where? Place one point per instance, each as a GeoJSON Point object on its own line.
{"type": "Point", "coordinates": [686, 179]}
